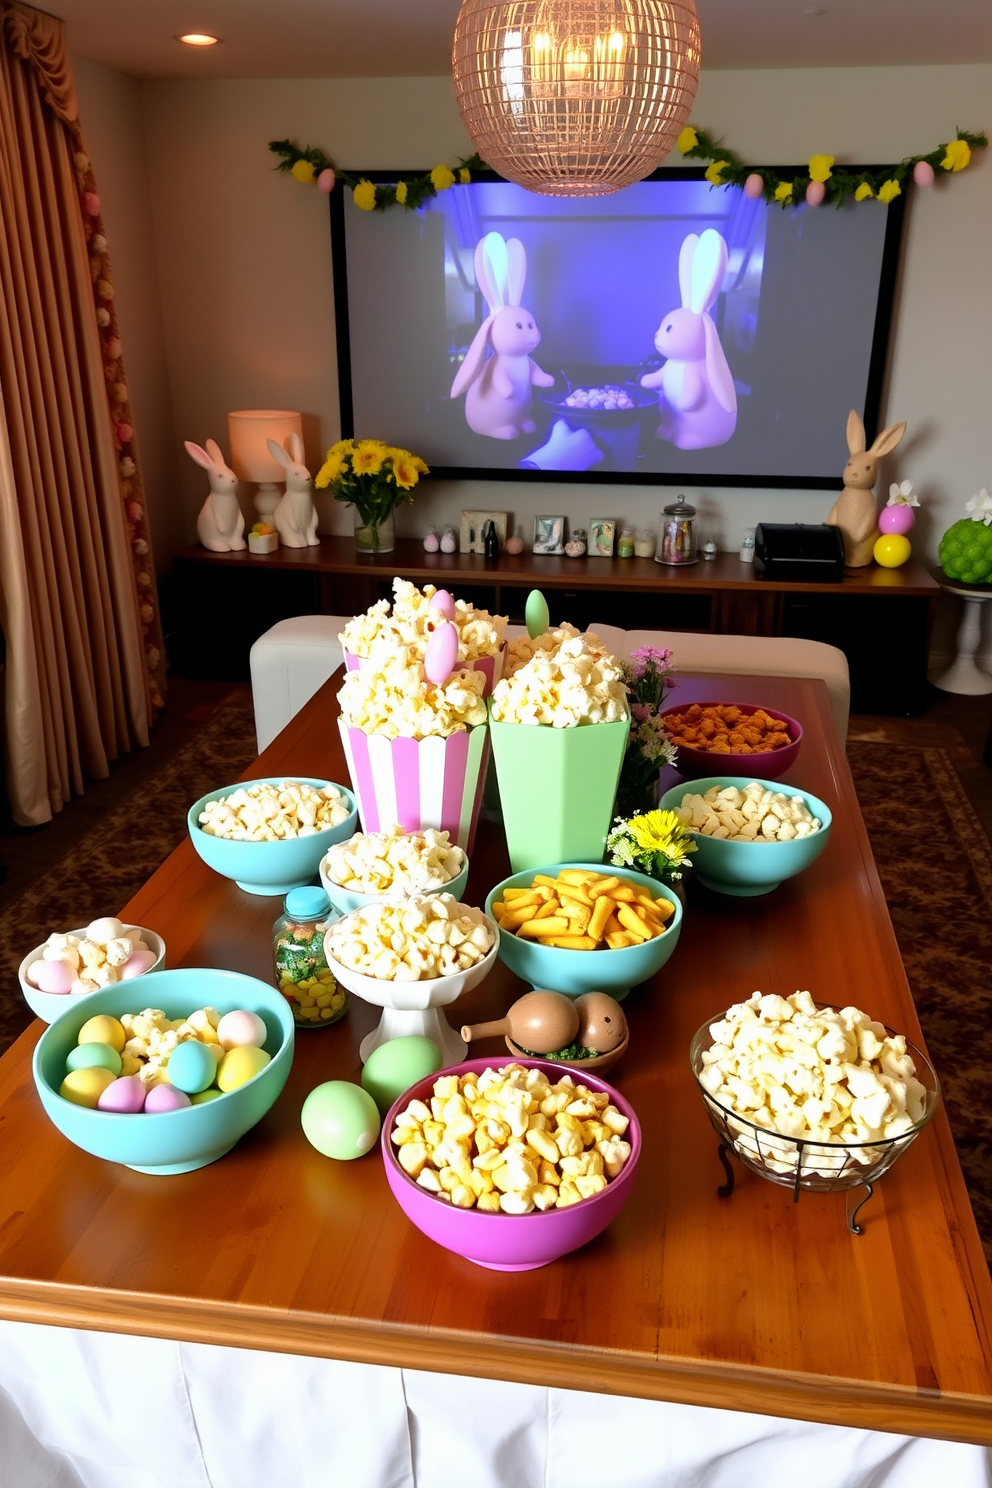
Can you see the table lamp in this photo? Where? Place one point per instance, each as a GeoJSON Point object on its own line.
{"type": "Point", "coordinates": [248, 429]}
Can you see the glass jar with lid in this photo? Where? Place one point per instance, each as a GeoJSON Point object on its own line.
{"type": "Point", "coordinates": [302, 974]}
{"type": "Point", "coordinates": [677, 534]}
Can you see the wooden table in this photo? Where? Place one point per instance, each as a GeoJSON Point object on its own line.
{"type": "Point", "coordinates": [753, 1303]}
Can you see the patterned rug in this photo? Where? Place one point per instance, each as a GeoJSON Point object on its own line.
{"type": "Point", "coordinates": [934, 860]}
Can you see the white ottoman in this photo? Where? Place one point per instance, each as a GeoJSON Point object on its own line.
{"type": "Point", "coordinates": [288, 664]}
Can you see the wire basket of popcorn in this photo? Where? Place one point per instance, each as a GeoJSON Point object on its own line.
{"type": "Point", "coordinates": [411, 620]}
{"type": "Point", "coordinates": [811, 1096]}
{"type": "Point", "coordinates": [559, 724]}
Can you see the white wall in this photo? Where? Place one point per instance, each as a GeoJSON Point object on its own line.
{"type": "Point", "coordinates": [244, 270]}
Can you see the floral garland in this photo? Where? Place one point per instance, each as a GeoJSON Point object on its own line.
{"type": "Point", "coordinates": [826, 181]}
{"type": "Point", "coordinates": [312, 167]}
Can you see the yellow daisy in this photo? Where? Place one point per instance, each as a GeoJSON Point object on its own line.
{"type": "Point", "coordinates": [464, 175]}
{"type": "Point", "coordinates": [715, 171]}
{"type": "Point", "coordinates": [332, 469]}
{"type": "Point", "coordinates": [889, 190]}
{"type": "Point", "coordinates": [405, 472]}
{"type": "Point", "coordinates": [303, 171]}
{"type": "Point", "coordinates": [820, 167]}
{"type": "Point", "coordinates": [863, 192]}
{"type": "Point", "coordinates": [688, 139]}
{"type": "Point", "coordinates": [442, 177]}
{"type": "Point", "coordinates": [401, 189]}
{"type": "Point", "coordinates": [364, 196]}
{"type": "Point", "coordinates": [958, 154]}
{"type": "Point", "coordinates": [783, 191]}
{"type": "Point", "coordinates": [369, 457]}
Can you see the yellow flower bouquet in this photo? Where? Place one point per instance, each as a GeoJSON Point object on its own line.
{"type": "Point", "coordinates": [374, 478]}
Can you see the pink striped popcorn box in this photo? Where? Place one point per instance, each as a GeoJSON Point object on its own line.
{"type": "Point", "coordinates": [418, 783]}
{"type": "Point", "coordinates": [491, 667]}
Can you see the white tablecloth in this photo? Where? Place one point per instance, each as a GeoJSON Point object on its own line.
{"type": "Point", "coordinates": [101, 1410]}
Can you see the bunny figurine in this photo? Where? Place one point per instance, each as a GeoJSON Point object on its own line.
{"type": "Point", "coordinates": [855, 512]}
{"type": "Point", "coordinates": [220, 525]}
{"type": "Point", "coordinates": [295, 518]}
{"type": "Point", "coordinates": [697, 398]}
{"type": "Point", "coordinates": [498, 388]}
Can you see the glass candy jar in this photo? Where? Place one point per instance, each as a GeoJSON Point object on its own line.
{"type": "Point", "coordinates": [677, 534]}
{"type": "Point", "coordinates": [302, 974]}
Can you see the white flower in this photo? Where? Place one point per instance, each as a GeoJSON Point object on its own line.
{"type": "Point", "coordinates": [980, 507]}
{"type": "Point", "coordinates": [902, 495]}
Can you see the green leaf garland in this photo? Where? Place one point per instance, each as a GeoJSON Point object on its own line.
{"type": "Point", "coordinates": [409, 191]}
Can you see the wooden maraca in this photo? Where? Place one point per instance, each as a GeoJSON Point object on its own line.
{"type": "Point", "coordinates": [542, 1022]}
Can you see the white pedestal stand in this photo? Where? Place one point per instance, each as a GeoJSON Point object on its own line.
{"type": "Point", "coordinates": [964, 676]}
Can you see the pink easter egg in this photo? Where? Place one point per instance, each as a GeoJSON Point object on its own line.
{"type": "Point", "coordinates": [431, 542]}
{"type": "Point", "coordinates": [138, 963]}
{"type": "Point", "coordinates": [165, 1098]}
{"type": "Point", "coordinates": [923, 173]}
{"type": "Point", "coordinates": [443, 601]}
{"type": "Point", "coordinates": [325, 181]}
{"type": "Point", "coordinates": [124, 432]}
{"type": "Point", "coordinates": [241, 1029]}
{"type": "Point", "coordinates": [91, 204]}
{"type": "Point", "coordinates": [126, 1096]}
{"type": "Point", "coordinates": [754, 186]}
{"type": "Point", "coordinates": [897, 518]}
{"type": "Point", "coordinates": [815, 192]}
{"type": "Point", "coordinates": [441, 654]}
{"type": "Point", "coordinates": [52, 976]}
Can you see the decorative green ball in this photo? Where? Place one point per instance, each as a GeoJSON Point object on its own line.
{"type": "Point", "coordinates": [965, 552]}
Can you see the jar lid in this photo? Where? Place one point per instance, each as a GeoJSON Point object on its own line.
{"type": "Point", "coordinates": [680, 509]}
{"type": "Point", "coordinates": [308, 903]}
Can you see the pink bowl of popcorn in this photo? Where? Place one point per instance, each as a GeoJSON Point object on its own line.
{"type": "Point", "coordinates": [514, 1241]}
{"type": "Point", "coordinates": [74, 964]}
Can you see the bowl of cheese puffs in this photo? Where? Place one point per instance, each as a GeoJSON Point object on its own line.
{"type": "Point", "coordinates": [732, 739]}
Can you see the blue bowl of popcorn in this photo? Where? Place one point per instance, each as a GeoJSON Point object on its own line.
{"type": "Point", "coordinates": [398, 863]}
{"type": "Point", "coordinates": [748, 866]}
{"type": "Point", "coordinates": [275, 864]}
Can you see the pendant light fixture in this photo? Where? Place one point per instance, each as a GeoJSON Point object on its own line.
{"type": "Point", "coordinates": [575, 97]}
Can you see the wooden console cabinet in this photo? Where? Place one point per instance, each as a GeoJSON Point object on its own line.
{"type": "Point", "coordinates": [217, 604]}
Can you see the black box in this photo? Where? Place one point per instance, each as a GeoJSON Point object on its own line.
{"type": "Point", "coordinates": [798, 553]}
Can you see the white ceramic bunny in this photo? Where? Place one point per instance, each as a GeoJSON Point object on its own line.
{"type": "Point", "coordinates": [855, 511]}
{"type": "Point", "coordinates": [220, 525]}
{"type": "Point", "coordinates": [697, 398]}
{"type": "Point", "coordinates": [498, 388]}
{"type": "Point", "coordinates": [295, 518]}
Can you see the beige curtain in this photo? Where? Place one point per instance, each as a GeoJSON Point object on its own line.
{"type": "Point", "coordinates": [77, 594]}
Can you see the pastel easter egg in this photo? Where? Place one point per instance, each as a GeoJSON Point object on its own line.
{"type": "Point", "coordinates": [815, 192]}
{"type": "Point", "coordinates": [52, 976]}
{"type": "Point", "coordinates": [441, 654]}
{"type": "Point", "coordinates": [102, 930]}
{"type": "Point", "coordinates": [325, 181]}
{"type": "Point", "coordinates": [892, 550]}
{"type": "Point", "coordinates": [191, 1067]}
{"type": "Point", "coordinates": [202, 1096]}
{"type": "Point", "coordinates": [240, 1065]}
{"type": "Point", "coordinates": [126, 1096]}
{"type": "Point", "coordinates": [897, 519]}
{"type": "Point", "coordinates": [536, 614]}
{"type": "Point", "coordinates": [431, 542]}
{"type": "Point", "coordinates": [94, 1056]}
{"type": "Point", "coordinates": [754, 186]}
{"type": "Point", "coordinates": [165, 1098]}
{"type": "Point", "coordinates": [241, 1028]}
{"type": "Point", "coordinates": [340, 1119]}
{"type": "Point", "coordinates": [103, 1029]}
{"type": "Point", "coordinates": [138, 963]}
{"type": "Point", "coordinates": [923, 173]}
{"type": "Point", "coordinates": [84, 1087]}
{"type": "Point", "coordinates": [443, 602]}
{"type": "Point", "coordinates": [514, 545]}
{"type": "Point", "coordinates": [396, 1065]}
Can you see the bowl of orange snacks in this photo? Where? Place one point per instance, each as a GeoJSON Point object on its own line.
{"type": "Point", "coordinates": [582, 927]}
{"type": "Point", "coordinates": [732, 739]}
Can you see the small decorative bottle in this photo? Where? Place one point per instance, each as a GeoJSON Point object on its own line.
{"type": "Point", "coordinates": [302, 974]}
{"type": "Point", "coordinates": [747, 545]}
{"type": "Point", "coordinates": [625, 544]}
{"type": "Point", "coordinates": [490, 538]}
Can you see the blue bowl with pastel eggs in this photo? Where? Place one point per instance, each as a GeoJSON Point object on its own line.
{"type": "Point", "coordinates": [190, 1136]}
{"type": "Point", "coordinates": [270, 867]}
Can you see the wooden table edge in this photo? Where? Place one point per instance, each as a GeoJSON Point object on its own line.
{"type": "Point", "coordinates": [726, 1386]}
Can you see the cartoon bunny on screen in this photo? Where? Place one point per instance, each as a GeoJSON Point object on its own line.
{"type": "Point", "coordinates": [697, 398]}
{"type": "Point", "coordinates": [497, 388]}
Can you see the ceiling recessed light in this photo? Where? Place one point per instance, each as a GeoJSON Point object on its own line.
{"type": "Point", "coordinates": [198, 38]}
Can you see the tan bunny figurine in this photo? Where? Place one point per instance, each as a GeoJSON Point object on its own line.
{"type": "Point", "coordinates": [855, 512]}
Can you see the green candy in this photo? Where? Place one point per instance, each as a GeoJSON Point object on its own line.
{"type": "Point", "coordinates": [202, 1096]}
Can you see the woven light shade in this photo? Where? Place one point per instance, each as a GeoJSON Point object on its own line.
{"type": "Point", "coordinates": [575, 97]}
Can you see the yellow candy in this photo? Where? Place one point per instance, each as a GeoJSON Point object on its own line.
{"type": "Point", "coordinates": [103, 1029]}
{"type": "Point", "coordinates": [84, 1087]}
{"type": "Point", "coordinates": [240, 1065]}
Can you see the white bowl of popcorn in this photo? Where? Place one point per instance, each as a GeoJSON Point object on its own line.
{"type": "Point", "coordinates": [750, 834]}
{"type": "Point", "coordinates": [73, 964]}
{"type": "Point", "coordinates": [412, 957]}
{"type": "Point", "coordinates": [812, 1096]}
{"type": "Point", "coordinates": [270, 835]}
{"type": "Point", "coordinates": [392, 865]}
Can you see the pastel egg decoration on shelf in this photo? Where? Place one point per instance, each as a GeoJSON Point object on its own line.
{"type": "Point", "coordinates": [895, 520]}
{"type": "Point", "coordinates": [891, 550]}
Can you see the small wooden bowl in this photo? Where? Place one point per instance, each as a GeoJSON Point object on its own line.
{"type": "Point", "coordinates": [600, 1063]}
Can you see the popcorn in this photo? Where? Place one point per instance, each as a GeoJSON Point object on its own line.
{"type": "Point", "coordinates": [394, 863]}
{"type": "Point", "coordinates": [412, 622]}
{"type": "Point", "coordinates": [391, 696]}
{"type": "Point", "coordinates": [151, 1038]}
{"type": "Point", "coordinates": [268, 813]}
{"type": "Point", "coordinates": [507, 1141]}
{"type": "Point", "coordinates": [814, 1074]}
{"type": "Point", "coordinates": [560, 679]}
{"type": "Point", "coordinates": [96, 962]}
{"type": "Point", "coordinates": [754, 814]}
{"type": "Point", "coordinates": [411, 940]}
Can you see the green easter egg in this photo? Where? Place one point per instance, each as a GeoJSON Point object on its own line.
{"type": "Point", "coordinates": [398, 1064]}
{"type": "Point", "coordinates": [202, 1096]}
{"type": "Point", "coordinates": [89, 1056]}
{"type": "Point", "coordinates": [340, 1119]}
{"type": "Point", "coordinates": [536, 614]}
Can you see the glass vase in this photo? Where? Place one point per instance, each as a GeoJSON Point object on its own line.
{"type": "Point", "coordinates": [374, 538]}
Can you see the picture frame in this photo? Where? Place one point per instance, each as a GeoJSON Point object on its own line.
{"type": "Point", "coordinates": [602, 537]}
{"type": "Point", "coordinates": [549, 535]}
{"type": "Point", "coordinates": [470, 538]}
